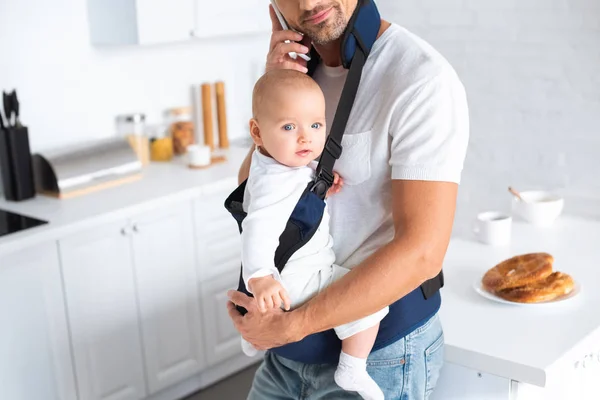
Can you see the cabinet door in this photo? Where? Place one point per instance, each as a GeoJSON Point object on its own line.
{"type": "Point", "coordinates": [221, 339]}
{"type": "Point", "coordinates": [35, 361]}
{"type": "Point", "coordinates": [168, 295]}
{"type": "Point", "coordinates": [218, 245]}
{"type": "Point", "coordinates": [460, 383]}
{"type": "Point", "coordinates": [101, 302]}
{"type": "Point", "coordinates": [163, 21]}
{"type": "Point", "coordinates": [231, 17]}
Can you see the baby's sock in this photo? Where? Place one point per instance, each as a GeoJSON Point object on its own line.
{"type": "Point", "coordinates": [248, 349]}
{"type": "Point", "coordinates": [351, 375]}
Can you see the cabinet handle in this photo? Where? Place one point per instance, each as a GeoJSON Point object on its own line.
{"type": "Point", "coordinates": [124, 231]}
{"type": "Point", "coordinates": [135, 228]}
{"type": "Point", "coordinates": [192, 33]}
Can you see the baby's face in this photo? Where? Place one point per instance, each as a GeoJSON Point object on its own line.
{"type": "Point", "coordinates": [292, 126]}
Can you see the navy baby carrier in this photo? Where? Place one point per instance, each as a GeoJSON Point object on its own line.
{"type": "Point", "coordinates": [324, 347]}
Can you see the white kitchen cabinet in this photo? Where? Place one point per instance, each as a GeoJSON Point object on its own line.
{"type": "Point", "coordinates": [163, 21]}
{"type": "Point", "coordinates": [134, 304]}
{"type": "Point", "coordinates": [218, 245]}
{"type": "Point", "coordinates": [168, 293]}
{"type": "Point", "coordinates": [219, 259]}
{"type": "Point", "coordinates": [231, 17]}
{"type": "Point", "coordinates": [127, 22]}
{"type": "Point", "coordinates": [142, 22]}
{"type": "Point", "coordinates": [35, 359]}
{"type": "Point", "coordinates": [221, 339]}
{"type": "Point", "coordinates": [103, 313]}
{"type": "Point", "coordinates": [459, 383]}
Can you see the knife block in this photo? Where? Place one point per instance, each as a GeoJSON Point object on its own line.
{"type": "Point", "coordinates": [15, 164]}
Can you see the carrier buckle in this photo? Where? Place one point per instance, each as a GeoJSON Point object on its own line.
{"type": "Point", "coordinates": [323, 182]}
{"type": "Point", "coordinates": [333, 147]}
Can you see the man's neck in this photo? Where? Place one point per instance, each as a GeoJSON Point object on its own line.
{"type": "Point", "coordinates": [330, 52]}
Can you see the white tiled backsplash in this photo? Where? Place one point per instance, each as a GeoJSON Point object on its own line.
{"type": "Point", "coordinates": [530, 68]}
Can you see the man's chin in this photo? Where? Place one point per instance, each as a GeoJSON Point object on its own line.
{"type": "Point", "coordinates": [329, 37]}
{"type": "Point", "coordinates": [326, 32]}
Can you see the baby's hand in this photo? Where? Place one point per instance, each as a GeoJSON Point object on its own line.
{"type": "Point", "coordinates": [269, 293]}
{"type": "Point", "coordinates": [337, 185]}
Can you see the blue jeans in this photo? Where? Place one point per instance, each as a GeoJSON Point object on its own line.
{"type": "Point", "coordinates": [407, 369]}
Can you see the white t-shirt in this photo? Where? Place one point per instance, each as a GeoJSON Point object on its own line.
{"type": "Point", "coordinates": [272, 192]}
{"type": "Point", "coordinates": [409, 121]}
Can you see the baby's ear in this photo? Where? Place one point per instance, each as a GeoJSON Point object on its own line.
{"type": "Point", "coordinates": [255, 132]}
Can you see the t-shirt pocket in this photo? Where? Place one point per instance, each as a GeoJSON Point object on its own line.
{"type": "Point", "coordinates": [354, 166]}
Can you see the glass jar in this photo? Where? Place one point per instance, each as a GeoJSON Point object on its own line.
{"type": "Point", "coordinates": [132, 127]}
{"type": "Point", "coordinates": [161, 144]}
{"type": "Point", "coordinates": [181, 128]}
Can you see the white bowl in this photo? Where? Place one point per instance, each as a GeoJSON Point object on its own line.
{"type": "Point", "coordinates": [539, 208]}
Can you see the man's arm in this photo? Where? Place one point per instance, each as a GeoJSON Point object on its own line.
{"type": "Point", "coordinates": [429, 138]}
{"type": "Point", "coordinates": [423, 217]}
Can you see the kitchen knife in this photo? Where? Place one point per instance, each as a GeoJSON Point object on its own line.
{"type": "Point", "coordinates": [6, 100]}
{"type": "Point", "coordinates": [15, 108]}
{"type": "Point", "coordinates": [2, 126]}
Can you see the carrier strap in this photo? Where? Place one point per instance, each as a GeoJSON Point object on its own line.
{"type": "Point", "coordinates": [333, 144]}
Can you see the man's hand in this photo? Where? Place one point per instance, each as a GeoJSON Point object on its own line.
{"type": "Point", "coordinates": [269, 293]}
{"type": "Point", "coordinates": [264, 331]}
{"type": "Point", "coordinates": [337, 185]}
{"type": "Point", "coordinates": [278, 57]}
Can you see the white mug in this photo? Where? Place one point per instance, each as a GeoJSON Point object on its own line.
{"type": "Point", "coordinates": [198, 155]}
{"type": "Point", "coordinates": [493, 227]}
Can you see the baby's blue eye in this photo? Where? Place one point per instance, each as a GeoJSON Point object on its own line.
{"type": "Point", "coordinates": [288, 127]}
{"type": "Point", "coordinates": [316, 125]}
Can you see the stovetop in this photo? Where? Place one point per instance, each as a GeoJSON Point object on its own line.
{"type": "Point", "coordinates": [11, 222]}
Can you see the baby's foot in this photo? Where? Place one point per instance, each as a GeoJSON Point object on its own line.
{"type": "Point", "coordinates": [352, 375]}
{"type": "Point", "coordinates": [248, 349]}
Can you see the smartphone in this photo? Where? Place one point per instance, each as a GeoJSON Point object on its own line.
{"type": "Point", "coordinates": [284, 25]}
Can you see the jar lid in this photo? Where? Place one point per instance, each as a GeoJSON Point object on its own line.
{"type": "Point", "coordinates": [135, 118]}
{"type": "Point", "coordinates": [157, 131]}
{"type": "Point", "coordinates": [180, 111]}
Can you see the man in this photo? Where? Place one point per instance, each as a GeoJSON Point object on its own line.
{"type": "Point", "coordinates": [404, 148]}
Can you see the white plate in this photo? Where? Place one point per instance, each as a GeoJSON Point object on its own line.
{"type": "Point", "coordinates": [478, 286]}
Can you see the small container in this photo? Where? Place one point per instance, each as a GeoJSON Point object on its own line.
{"type": "Point", "coordinates": [132, 127]}
{"type": "Point", "coordinates": [538, 207]}
{"type": "Point", "coordinates": [161, 145]}
{"type": "Point", "coordinates": [493, 227]}
{"type": "Point", "coordinates": [181, 128]}
{"type": "Point", "coordinates": [198, 156]}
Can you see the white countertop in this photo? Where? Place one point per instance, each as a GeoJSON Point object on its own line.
{"type": "Point", "coordinates": [524, 343]}
{"type": "Point", "coordinates": [161, 183]}
{"type": "Point", "coordinates": [521, 343]}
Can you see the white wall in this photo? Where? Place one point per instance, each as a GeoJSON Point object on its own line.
{"type": "Point", "coordinates": [71, 91]}
{"type": "Point", "coordinates": [532, 73]}
{"type": "Point", "coordinates": [531, 69]}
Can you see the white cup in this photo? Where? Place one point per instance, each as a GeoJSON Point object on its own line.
{"type": "Point", "coordinates": [198, 155]}
{"type": "Point", "coordinates": [493, 227]}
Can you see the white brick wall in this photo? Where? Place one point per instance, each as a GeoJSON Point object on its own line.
{"type": "Point", "coordinates": [532, 73]}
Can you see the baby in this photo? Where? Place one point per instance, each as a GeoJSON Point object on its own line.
{"type": "Point", "coordinates": [288, 128]}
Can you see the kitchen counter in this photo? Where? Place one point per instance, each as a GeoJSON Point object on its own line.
{"type": "Point", "coordinates": [526, 343]}
{"type": "Point", "coordinates": [161, 183]}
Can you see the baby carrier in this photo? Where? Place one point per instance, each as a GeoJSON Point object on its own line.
{"type": "Point", "coordinates": [356, 43]}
